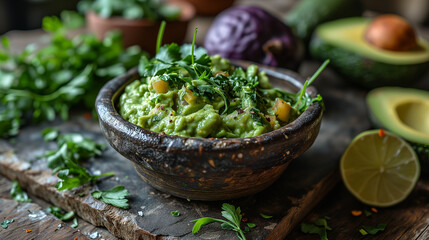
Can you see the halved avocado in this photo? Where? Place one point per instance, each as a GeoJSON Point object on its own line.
{"type": "Point", "coordinates": [342, 41]}
{"type": "Point", "coordinates": [405, 112]}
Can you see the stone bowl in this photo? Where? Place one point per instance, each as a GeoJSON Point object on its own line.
{"type": "Point", "coordinates": [209, 168]}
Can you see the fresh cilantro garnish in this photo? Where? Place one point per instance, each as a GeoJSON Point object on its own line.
{"type": "Point", "coordinates": [317, 227]}
{"type": "Point", "coordinates": [50, 134]}
{"type": "Point", "coordinates": [233, 216]}
{"type": "Point", "coordinates": [175, 213]}
{"type": "Point", "coordinates": [190, 67]}
{"type": "Point", "coordinates": [75, 223]}
{"type": "Point", "coordinates": [40, 84]}
{"type": "Point", "coordinates": [365, 230]}
{"type": "Point", "coordinates": [5, 223]}
{"type": "Point", "coordinates": [265, 216]}
{"type": "Point", "coordinates": [18, 194]}
{"type": "Point", "coordinates": [73, 148]}
{"type": "Point", "coordinates": [115, 196]}
{"type": "Point", "coordinates": [59, 213]}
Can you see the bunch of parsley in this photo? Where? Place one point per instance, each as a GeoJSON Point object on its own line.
{"type": "Point", "coordinates": [40, 84]}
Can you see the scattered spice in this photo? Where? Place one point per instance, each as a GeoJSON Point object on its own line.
{"type": "Point", "coordinates": [87, 116]}
{"type": "Point", "coordinates": [75, 238]}
{"type": "Point", "coordinates": [381, 133]}
{"type": "Point", "coordinates": [28, 230]}
{"type": "Point", "coordinates": [374, 210]}
{"type": "Point", "coordinates": [244, 219]}
{"type": "Point", "coordinates": [356, 213]}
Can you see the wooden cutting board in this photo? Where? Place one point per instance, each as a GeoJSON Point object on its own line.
{"type": "Point", "coordinates": [304, 183]}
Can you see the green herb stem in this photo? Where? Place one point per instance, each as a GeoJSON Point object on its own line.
{"type": "Point", "coordinates": [160, 35]}
{"type": "Point", "coordinates": [193, 47]}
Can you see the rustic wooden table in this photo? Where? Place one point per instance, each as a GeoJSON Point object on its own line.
{"type": "Point", "coordinates": [291, 200]}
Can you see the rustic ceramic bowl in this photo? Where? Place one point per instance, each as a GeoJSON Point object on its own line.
{"type": "Point", "coordinates": [202, 168]}
{"type": "Point", "coordinates": [144, 32]}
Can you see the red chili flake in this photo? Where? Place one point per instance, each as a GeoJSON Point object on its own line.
{"type": "Point", "coordinates": [75, 238]}
{"type": "Point", "coordinates": [211, 138]}
{"type": "Point", "coordinates": [381, 133]}
{"type": "Point", "coordinates": [244, 220]}
{"type": "Point", "coordinates": [374, 210]}
{"type": "Point", "coordinates": [87, 116]}
{"type": "Point", "coordinates": [240, 110]}
{"type": "Point", "coordinates": [356, 213]}
{"type": "Point", "coordinates": [28, 230]}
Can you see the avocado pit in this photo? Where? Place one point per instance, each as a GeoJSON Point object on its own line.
{"type": "Point", "coordinates": [391, 32]}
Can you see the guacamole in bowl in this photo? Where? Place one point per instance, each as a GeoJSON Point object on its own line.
{"type": "Point", "coordinates": [206, 97]}
{"type": "Point", "coordinates": [199, 127]}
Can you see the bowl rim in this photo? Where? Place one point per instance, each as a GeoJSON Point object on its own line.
{"type": "Point", "coordinates": [109, 116]}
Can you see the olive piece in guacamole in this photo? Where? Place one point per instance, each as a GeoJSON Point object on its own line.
{"type": "Point", "coordinates": [204, 96]}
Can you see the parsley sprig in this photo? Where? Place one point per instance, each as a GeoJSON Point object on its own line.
{"type": "Point", "coordinates": [73, 148]}
{"type": "Point", "coordinates": [233, 218]}
{"type": "Point", "coordinates": [190, 67]}
{"type": "Point", "coordinates": [18, 194]}
{"type": "Point", "coordinates": [40, 84]}
{"type": "Point", "coordinates": [115, 196]}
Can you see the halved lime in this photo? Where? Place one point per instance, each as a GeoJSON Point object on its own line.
{"type": "Point", "coordinates": [379, 168]}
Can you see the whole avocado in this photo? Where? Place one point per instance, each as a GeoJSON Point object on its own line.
{"type": "Point", "coordinates": [343, 42]}
{"type": "Point", "coordinates": [308, 14]}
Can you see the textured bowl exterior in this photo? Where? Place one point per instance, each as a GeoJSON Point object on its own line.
{"type": "Point", "coordinates": [204, 168]}
{"type": "Point", "coordinates": [143, 32]}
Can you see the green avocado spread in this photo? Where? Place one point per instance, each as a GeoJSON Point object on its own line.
{"type": "Point", "coordinates": [204, 96]}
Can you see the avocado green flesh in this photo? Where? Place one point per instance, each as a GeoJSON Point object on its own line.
{"type": "Point", "coordinates": [404, 111]}
{"type": "Point", "coordinates": [172, 114]}
{"type": "Point", "coordinates": [349, 35]}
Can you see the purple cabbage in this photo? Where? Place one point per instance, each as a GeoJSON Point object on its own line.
{"type": "Point", "coordinates": [251, 33]}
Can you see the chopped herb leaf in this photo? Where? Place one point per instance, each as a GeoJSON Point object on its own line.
{"type": "Point", "coordinates": [5, 223]}
{"type": "Point", "coordinates": [373, 230]}
{"type": "Point", "coordinates": [81, 194]}
{"type": "Point", "coordinates": [265, 216]}
{"type": "Point", "coordinates": [175, 213]}
{"type": "Point", "coordinates": [59, 213]}
{"type": "Point", "coordinates": [50, 134]}
{"type": "Point", "coordinates": [65, 161]}
{"type": "Point", "coordinates": [18, 194]}
{"type": "Point", "coordinates": [233, 216]}
{"type": "Point", "coordinates": [251, 225]}
{"type": "Point", "coordinates": [317, 227]}
{"type": "Point", "coordinates": [115, 196]}
{"type": "Point", "coordinates": [367, 213]}
{"type": "Point", "coordinates": [75, 223]}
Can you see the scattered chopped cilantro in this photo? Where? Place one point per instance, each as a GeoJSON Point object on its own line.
{"type": "Point", "coordinates": [59, 213]}
{"type": "Point", "coordinates": [5, 223]}
{"type": "Point", "coordinates": [75, 223]}
{"type": "Point", "coordinates": [50, 134]}
{"type": "Point", "coordinates": [367, 213]}
{"type": "Point", "coordinates": [18, 194]}
{"type": "Point", "coordinates": [251, 225]}
{"type": "Point", "coordinates": [73, 148]}
{"type": "Point", "coordinates": [233, 216]}
{"type": "Point", "coordinates": [115, 196]}
{"type": "Point", "coordinates": [372, 230]}
{"type": "Point", "coordinates": [317, 227]}
{"type": "Point", "coordinates": [265, 216]}
{"type": "Point", "coordinates": [175, 213]}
